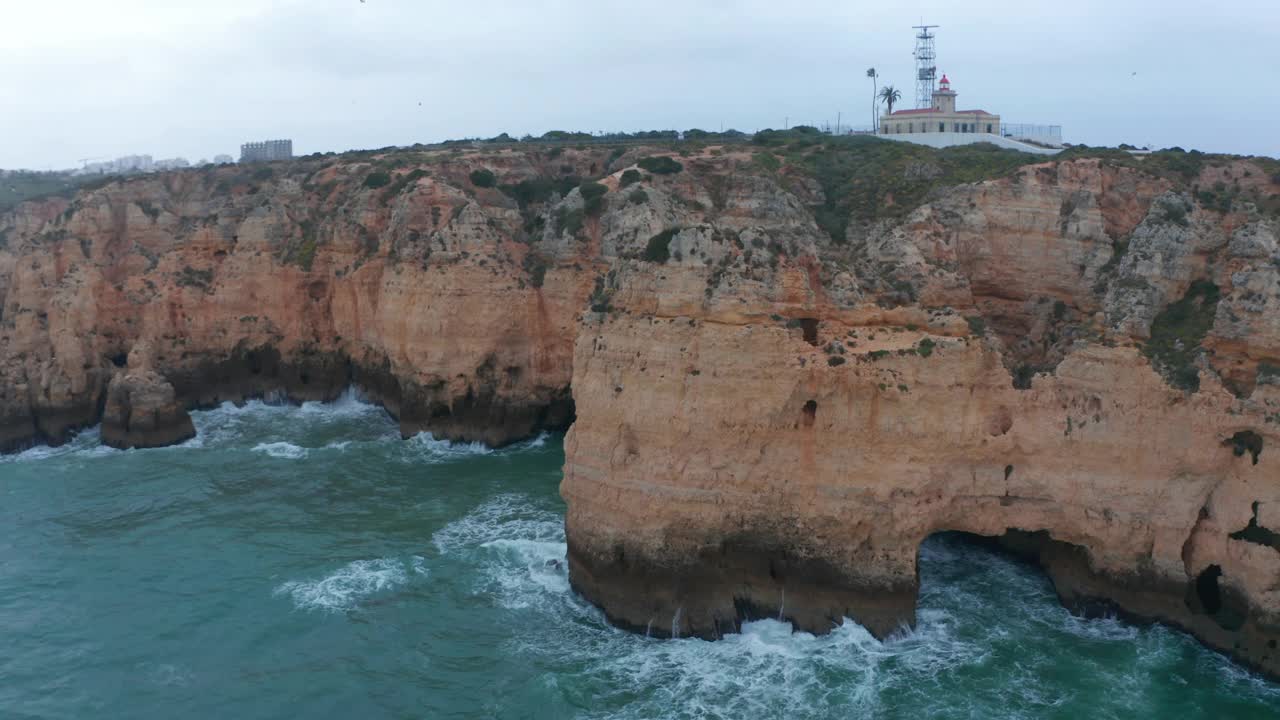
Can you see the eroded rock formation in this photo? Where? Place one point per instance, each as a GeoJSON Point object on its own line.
{"type": "Point", "coordinates": [789, 365]}
{"type": "Point", "coordinates": [1023, 358]}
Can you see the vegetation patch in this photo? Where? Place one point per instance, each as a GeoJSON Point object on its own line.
{"type": "Point", "coordinates": [404, 181]}
{"type": "Point", "coordinates": [601, 299]}
{"type": "Point", "coordinates": [377, 179]}
{"type": "Point", "coordinates": [569, 221]}
{"type": "Point", "coordinates": [925, 348]}
{"type": "Point", "coordinates": [536, 266]}
{"type": "Point", "coordinates": [630, 176]}
{"type": "Point", "coordinates": [483, 178]}
{"type": "Point", "coordinates": [659, 248]}
{"type": "Point", "coordinates": [1178, 331]}
{"type": "Point", "coordinates": [304, 253]}
{"type": "Point", "coordinates": [660, 165]}
{"type": "Point", "coordinates": [191, 277]}
{"type": "Point", "coordinates": [1245, 441]}
{"type": "Point", "coordinates": [638, 196]}
{"type": "Point", "coordinates": [22, 185]}
{"type": "Point", "coordinates": [149, 209]}
{"type": "Point", "coordinates": [592, 197]}
{"type": "Point", "coordinates": [865, 178]}
{"type": "Point", "coordinates": [1255, 533]}
{"type": "Point", "coordinates": [1173, 213]}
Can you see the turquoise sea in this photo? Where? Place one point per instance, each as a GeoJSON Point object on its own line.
{"type": "Point", "coordinates": [305, 562]}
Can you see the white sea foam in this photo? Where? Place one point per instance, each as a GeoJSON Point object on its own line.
{"type": "Point", "coordinates": [502, 517]}
{"type": "Point", "coordinates": [281, 450]}
{"type": "Point", "coordinates": [84, 444]}
{"type": "Point", "coordinates": [426, 446]}
{"type": "Point", "coordinates": [346, 587]}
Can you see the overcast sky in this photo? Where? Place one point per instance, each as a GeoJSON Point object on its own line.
{"type": "Point", "coordinates": [95, 78]}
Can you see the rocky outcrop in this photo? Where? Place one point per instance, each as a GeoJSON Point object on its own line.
{"type": "Point", "coordinates": [142, 412]}
{"type": "Point", "coordinates": [295, 281]}
{"type": "Point", "coordinates": [777, 440]}
{"type": "Point", "coordinates": [781, 388]}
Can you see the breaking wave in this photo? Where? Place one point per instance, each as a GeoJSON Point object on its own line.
{"type": "Point", "coordinates": [281, 450]}
{"type": "Point", "coordinates": [84, 444]}
{"type": "Point", "coordinates": [344, 589]}
{"type": "Point", "coordinates": [979, 648]}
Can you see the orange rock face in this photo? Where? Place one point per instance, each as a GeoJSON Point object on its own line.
{"type": "Point", "coordinates": [293, 280]}
{"type": "Point", "coordinates": [1082, 359]}
{"type": "Point", "coordinates": [780, 448]}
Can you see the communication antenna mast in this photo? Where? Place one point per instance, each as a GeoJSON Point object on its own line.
{"type": "Point", "coordinates": [926, 67]}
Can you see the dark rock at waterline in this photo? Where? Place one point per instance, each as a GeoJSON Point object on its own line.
{"type": "Point", "coordinates": [142, 412]}
{"type": "Point", "coordinates": [744, 579]}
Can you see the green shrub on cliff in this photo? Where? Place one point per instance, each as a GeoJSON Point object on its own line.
{"type": "Point", "coordinates": [191, 277]}
{"type": "Point", "coordinates": [377, 179]}
{"type": "Point", "coordinates": [527, 192]}
{"type": "Point", "coordinates": [630, 176]}
{"type": "Point", "coordinates": [483, 178]}
{"type": "Point", "coordinates": [659, 248]}
{"type": "Point", "coordinates": [536, 266]}
{"type": "Point", "coordinates": [1178, 331]}
{"type": "Point", "coordinates": [402, 182]}
{"type": "Point", "coordinates": [569, 221]}
{"type": "Point", "coordinates": [592, 197]}
{"type": "Point", "coordinates": [660, 165]}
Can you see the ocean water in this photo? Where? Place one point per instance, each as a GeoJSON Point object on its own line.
{"type": "Point", "coordinates": [307, 563]}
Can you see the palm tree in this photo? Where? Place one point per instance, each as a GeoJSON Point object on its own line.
{"type": "Point", "coordinates": [875, 120]}
{"type": "Point", "coordinates": [889, 95]}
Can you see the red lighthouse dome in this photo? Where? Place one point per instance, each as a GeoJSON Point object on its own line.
{"type": "Point", "coordinates": [945, 83]}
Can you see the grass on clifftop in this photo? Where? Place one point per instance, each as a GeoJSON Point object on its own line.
{"type": "Point", "coordinates": [1178, 331]}
{"type": "Point", "coordinates": [867, 178]}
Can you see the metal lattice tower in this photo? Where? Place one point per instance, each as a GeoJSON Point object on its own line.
{"type": "Point", "coordinates": [926, 67]}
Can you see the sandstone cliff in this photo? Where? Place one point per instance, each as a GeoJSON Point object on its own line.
{"type": "Point", "coordinates": [398, 275]}
{"type": "Point", "coordinates": [789, 364]}
{"type": "Point", "coordinates": [1078, 358]}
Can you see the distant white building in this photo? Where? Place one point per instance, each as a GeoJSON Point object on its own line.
{"type": "Point", "coordinates": [222, 160]}
{"type": "Point", "coordinates": [171, 164]}
{"type": "Point", "coordinates": [266, 151]}
{"type": "Point", "coordinates": [126, 164]}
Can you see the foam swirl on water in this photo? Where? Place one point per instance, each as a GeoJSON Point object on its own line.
{"type": "Point", "coordinates": [281, 450]}
{"type": "Point", "coordinates": [345, 588]}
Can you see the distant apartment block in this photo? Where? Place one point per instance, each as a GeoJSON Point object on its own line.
{"type": "Point", "coordinates": [222, 160]}
{"type": "Point", "coordinates": [171, 164]}
{"type": "Point", "coordinates": [126, 164]}
{"type": "Point", "coordinates": [266, 151]}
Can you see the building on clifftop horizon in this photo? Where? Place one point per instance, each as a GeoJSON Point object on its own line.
{"type": "Point", "coordinates": [942, 117]}
{"type": "Point", "coordinates": [266, 151]}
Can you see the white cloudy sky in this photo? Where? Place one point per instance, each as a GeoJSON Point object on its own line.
{"type": "Point", "coordinates": [89, 78]}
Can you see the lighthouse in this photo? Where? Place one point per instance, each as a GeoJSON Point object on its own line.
{"type": "Point", "coordinates": [944, 98]}
{"type": "Point", "coordinates": [941, 117]}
